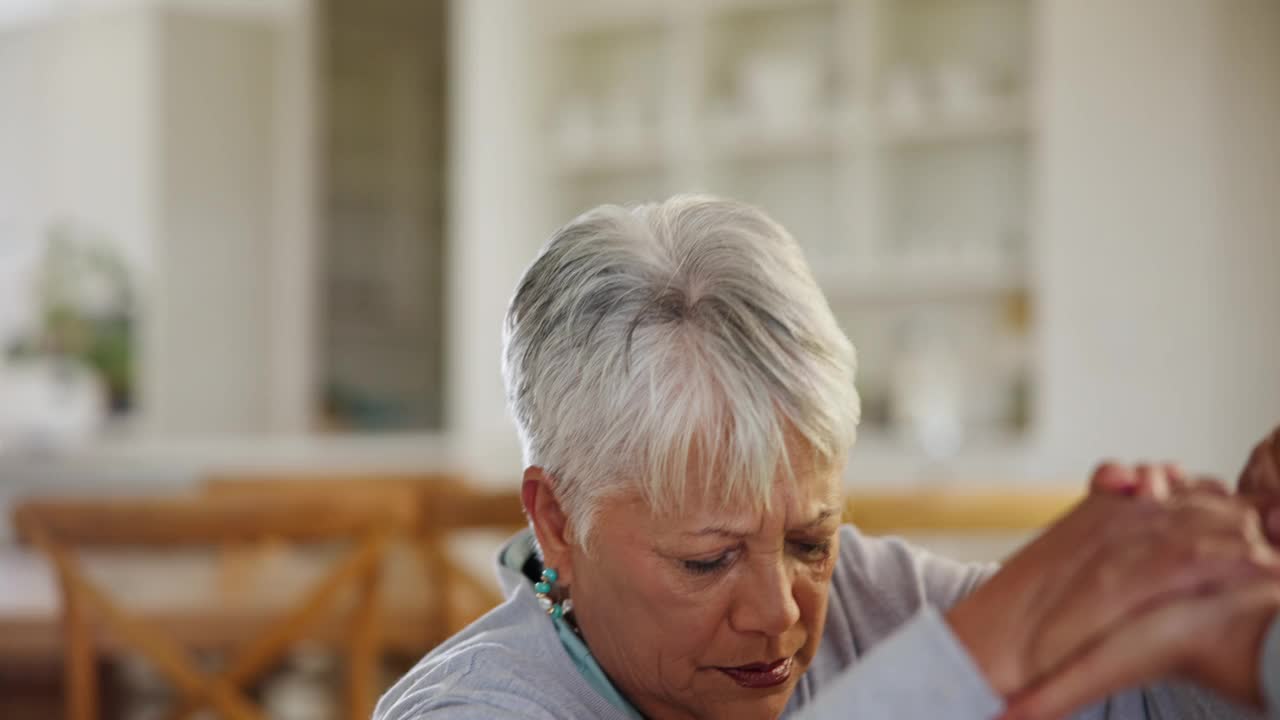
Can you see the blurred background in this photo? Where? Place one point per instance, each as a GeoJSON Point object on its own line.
{"type": "Point", "coordinates": [260, 238]}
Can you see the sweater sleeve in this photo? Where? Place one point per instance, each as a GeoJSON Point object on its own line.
{"type": "Point", "coordinates": [1270, 669]}
{"type": "Point", "coordinates": [887, 651]}
{"type": "Point", "coordinates": [919, 671]}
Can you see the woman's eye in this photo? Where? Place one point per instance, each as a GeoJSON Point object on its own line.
{"type": "Point", "coordinates": [705, 567]}
{"type": "Point", "coordinates": [813, 550]}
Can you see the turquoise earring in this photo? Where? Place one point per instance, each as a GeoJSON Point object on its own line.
{"type": "Point", "coordinates": [543, 590]}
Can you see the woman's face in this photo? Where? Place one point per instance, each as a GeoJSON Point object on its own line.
{"type": "Point", "coordinates": [713, 613]}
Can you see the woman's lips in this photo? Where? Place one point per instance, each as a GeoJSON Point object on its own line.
{"type": "Point", "coordinates": [760, 675]}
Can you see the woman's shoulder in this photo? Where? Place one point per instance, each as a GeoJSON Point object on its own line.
{"type": "Point", "coordinates": [503, 665]}
{"type": "Point", "coordinates": [880, 582]}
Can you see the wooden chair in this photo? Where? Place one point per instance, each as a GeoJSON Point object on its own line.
{"type": "Point", "coordinates": [445, 505]}
{"type": "Point", "coordinates": [59, 528]}
{"type": "Point", "coordinates": [958, 511]}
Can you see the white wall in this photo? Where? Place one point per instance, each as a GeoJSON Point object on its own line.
{"type": "Point", "coordinates": [74, 129]}
{"type": "Point", "coordinates": [210, 321]}
{"type": "Point", "coordinates": [1161, 243]}
{"type": "Point", "coordinates": [495, 215]}
{"type": "Point", "coordinates": [294, 256]}
{"type": "Point", "coordinates": [1247, 87]}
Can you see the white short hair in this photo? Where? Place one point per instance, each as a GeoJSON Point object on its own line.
{"type": "Point", "coordinates": [646, 345]}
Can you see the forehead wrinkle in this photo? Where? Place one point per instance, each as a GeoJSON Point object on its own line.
{"type": "Point", "coordinates": [817, 510]}
{"type": "Point", "coordinates": [808, 494]}
{"type": "Point", "coordinates": [727, 530]}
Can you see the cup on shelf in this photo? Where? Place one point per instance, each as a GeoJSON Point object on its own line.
{"type": "Point", "coordinates": [926, 404]}
{"type": "Point", "coordinates": [781, 89]}
{"type": "Point", "coordinates": [962, 90]}
{"type": "Point", "coordinates": [905, 100]}
{"type": "Point", "coordinates": [575, 126]}
{"type": "Point", "coordinates": [624, 125]}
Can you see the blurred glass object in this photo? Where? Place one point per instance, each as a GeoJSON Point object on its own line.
{"type": "Point", "coordinates": [576, 127]}
{"type": "Point", "coordinates": [303, 690]}
{"type": "Point", "coordinates": [49, 404]}
{"type": "Point", "coordinates": [904, 98]}
{"type": "Point", "coordinates": [781, 89]}
{"type": "Point", "coordinates": [926, 402]}
{"type": "Point", "coordinates": [146, 694]}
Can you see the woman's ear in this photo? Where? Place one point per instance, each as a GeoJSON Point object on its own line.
{"type": "Point", "coordinates": [550, 524]}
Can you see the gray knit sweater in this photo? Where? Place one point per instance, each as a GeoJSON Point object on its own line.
{"type": "Point", "coordinates": [886, 654]}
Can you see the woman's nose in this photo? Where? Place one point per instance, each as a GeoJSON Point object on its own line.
{"type": "Point", "coordinates": [765, 601]}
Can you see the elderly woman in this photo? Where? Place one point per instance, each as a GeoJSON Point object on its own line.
{"type": "Point", "coordinates": [686, 401]}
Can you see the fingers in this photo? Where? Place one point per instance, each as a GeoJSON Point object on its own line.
{"type": "Point", "coordinates": [1260, 483]}
{"type": "Point", "coordinates": [1143, 480]}
{"type": "Point", "coordinates": [1151, 645]}
{"type": "Point", "coordinates": [1160, 481]}
{"type": "Point", "coordinates": [1208, 512]}
{"type": "Point", "coordinates": [1153, 481]}
{"type": "Point", "coordinates": [1261, 473]}
{"type": "Point", "coordinates": [1271, 524]}
{"type": "Point", "coordinates": [1150, 553]}
{"type": "Point", "coordinates": [1105, 560]}
{"type": "Point", "coordinates": [1208, 563]}
{"type": "Point", "coordinates": [1206, 484]}
{"type": "Point", "coordinates": [1127, 578]}
{"type": "Point", "coordinates": [1233, 520]}
{"type": "Point", "coordinates": [1112, 478]}
{"type": "Point", "coordinates": [1274, 442]}
{"type": "Point", "coordinates": [1181, 482]}
{"type": "Point", "coordinates": [1268, 508]}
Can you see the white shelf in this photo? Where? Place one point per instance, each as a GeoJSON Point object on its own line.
{"type": "Point", "coordinates": [1001, 123]}
{"type": "Point", "coordinates": [820, 135]}
{"type": "Point", "coordinates": [732, 6]}
{"type": "Point", "coordinates": [574, 17]}
{"type": "Point", "coordinates": [718, 78]}
{"type": "Point", "coordinates": [608, 158]}
{"type": "Point", "coordinates": [908, 283]}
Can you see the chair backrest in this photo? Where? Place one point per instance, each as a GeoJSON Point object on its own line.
{"type": "Point", "coordinates": [203, 522]}
{"type": "Point", "coordinates": [427, 500]}
{"type": "Point", "coordinates": [442, 506]}
{"type": "Point", "coordinates": [59, 528]}
{"type": "Point", "coordinates": [402, 489]}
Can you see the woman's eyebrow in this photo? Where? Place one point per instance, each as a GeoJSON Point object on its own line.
{"type": "Point", "coordinates": [825, 514]}
{"type": "Point", "coordinates": [718, 530]}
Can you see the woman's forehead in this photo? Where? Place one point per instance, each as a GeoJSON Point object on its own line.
{"type": "Point", "coordinates": [803, 496]}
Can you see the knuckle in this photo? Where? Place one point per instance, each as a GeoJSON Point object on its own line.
{"type": "Point", "coordinates": [1245, 518]}
{"type": "Point", "coordinates": [1258, 555]}
{"type": "Point", "coordinates": [1213, 485]}
{"type": "Point", "coordinates": [1196, 551]}
{"type": "Point", "coordinates": [1109, 577]}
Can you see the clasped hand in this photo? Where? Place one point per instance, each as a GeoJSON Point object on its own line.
{"type": "Point", "coordinates": [1153, 575]}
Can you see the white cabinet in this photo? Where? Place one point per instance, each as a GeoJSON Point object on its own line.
{"type": "Point", "coordinates": [894, 139]}
{"type": "Point", "coordinates": [382, 179]}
